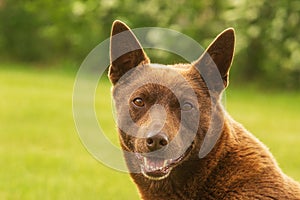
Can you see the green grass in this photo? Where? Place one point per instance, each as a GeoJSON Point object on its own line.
{"type": "Point", "coordinates": [42, 157]}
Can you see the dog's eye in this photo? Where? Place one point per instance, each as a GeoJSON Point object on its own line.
{"type": "Point", "coordinates": [138, 102]}
{"type": "Point", "coordinates": [187, 106]}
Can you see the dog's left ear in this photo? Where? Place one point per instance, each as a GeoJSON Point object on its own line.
{"type": "Point", "coordinates": [125, 51]}
{"type": "Point", "coordinates": [218, 55]}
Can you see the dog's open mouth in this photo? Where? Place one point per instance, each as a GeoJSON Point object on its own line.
{"type": "Point", "coordinates": [159, 168]}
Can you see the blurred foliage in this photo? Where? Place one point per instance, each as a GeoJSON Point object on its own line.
{"type": "Point", "coordinates": [268, 46]}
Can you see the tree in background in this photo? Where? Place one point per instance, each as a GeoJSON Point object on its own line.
{"type": "Point", "coordinates": [268, 34]}
{"type": "Point", "coordinates": [268, 46]}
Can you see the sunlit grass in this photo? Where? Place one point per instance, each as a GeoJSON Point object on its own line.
{"type": "Point", "coordinates": [42, 157]}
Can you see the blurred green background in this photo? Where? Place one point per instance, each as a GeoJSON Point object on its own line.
{"type": "Point", "coordinates": [43, 42]}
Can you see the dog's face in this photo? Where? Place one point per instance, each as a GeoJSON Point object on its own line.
{"type": "Point", "coordinates": [164, 112]}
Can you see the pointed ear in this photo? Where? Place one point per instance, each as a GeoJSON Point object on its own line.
{"type": "Point", "coordinates": [125, 51]}
{"type": "Point", "coordinates": [219, 54]}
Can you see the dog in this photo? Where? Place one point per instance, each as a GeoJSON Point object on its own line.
{"type": "Point", "coordinates": [178, 140]}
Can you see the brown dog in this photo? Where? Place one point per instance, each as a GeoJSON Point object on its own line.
{"type": "Point", "coordinates": [178, 141]}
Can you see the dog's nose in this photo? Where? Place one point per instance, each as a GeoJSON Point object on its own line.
{"type": "Point", "coordinates": [156, 141]}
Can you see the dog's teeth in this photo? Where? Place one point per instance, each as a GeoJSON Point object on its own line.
{"type": "Point", "coordinates": [165, 163]}
{"type": "Point", "coordinates": [147, 167]}
{"type": "Point", "coordinates": [150, 165]}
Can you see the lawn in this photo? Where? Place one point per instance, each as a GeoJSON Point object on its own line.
{"type": "Point", "coordinates": [42, 156]}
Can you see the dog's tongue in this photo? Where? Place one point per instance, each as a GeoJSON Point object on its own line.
{"type": "Point", "coordinates": [154, 164]}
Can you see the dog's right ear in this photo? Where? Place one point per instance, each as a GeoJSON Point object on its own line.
{"type": "Point", "coordinates": [125, 51]}
{"type": "Point", "coordinates": [218, 56]}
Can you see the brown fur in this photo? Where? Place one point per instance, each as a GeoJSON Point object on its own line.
{"type": "Point", "coordinates": [238, 167]}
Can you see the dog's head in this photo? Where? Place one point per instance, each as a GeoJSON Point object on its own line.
{"type": "Point", "coordinates": [164, 112]}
